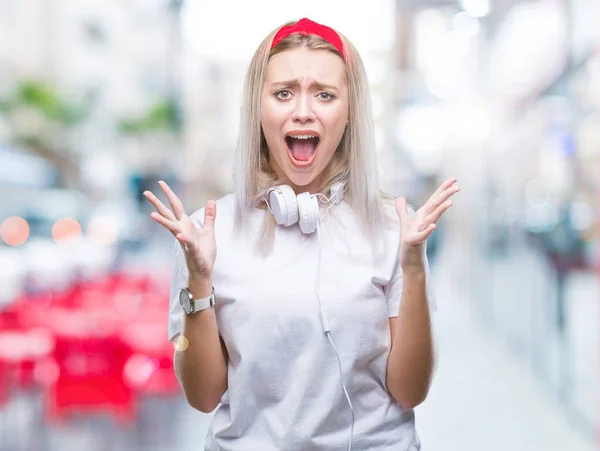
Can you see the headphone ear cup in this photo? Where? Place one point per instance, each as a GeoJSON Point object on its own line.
{"type": "Point", "coordinates": [308, 212]}
{"type": "Point", "coordinates": [284, 205]}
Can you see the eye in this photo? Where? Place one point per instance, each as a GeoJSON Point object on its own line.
{"type": "Point", "coordinates": [283, 94]}
{"type": "Point", "coordinates": [326, 95]}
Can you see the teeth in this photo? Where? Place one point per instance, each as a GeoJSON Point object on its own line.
{"type": "Point", "coordinates": [303, 136]}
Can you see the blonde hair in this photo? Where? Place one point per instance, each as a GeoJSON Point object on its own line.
{"type": "Point", "coordinates": [355, 160]}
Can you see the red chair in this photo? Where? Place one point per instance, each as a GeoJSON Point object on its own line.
{"type": "Point", "coordinates": [149, 371]}
{"type": "Point", "coordinates": [90, 359]}
{"type": "Point", "coordinates": [20, 352]}
{"type": "Point", "coordinates": [3, 385]}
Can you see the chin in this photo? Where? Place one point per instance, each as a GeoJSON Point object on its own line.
{"type": "Point", "coordinates": [300, 180]}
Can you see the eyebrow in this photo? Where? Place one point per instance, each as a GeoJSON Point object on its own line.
{"type": "Point", "coordinates": [296, 83]}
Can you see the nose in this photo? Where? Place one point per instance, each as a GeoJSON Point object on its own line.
{"type": "Point", "coordinates": [303, 111]}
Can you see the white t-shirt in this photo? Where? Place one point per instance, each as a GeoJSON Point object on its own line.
{"type": "Point", "coordinates": [284, 390]}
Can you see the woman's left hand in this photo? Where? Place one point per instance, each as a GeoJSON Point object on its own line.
{"type": "Point", "coordinates": [415, 230]}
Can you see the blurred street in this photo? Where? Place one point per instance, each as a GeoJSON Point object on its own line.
{"type": "Point", "coordinates": [485, 396]}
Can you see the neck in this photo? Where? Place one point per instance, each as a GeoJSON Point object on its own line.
{"type": "Point", "coordinates": [312, 188]}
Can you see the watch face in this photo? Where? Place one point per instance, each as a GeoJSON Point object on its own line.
{"type": "Point", "coordinates": [185, 301]}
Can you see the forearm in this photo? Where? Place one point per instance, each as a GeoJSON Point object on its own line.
{"type": "Point", "coordinates": [201, 366]}
{"type": "Point", "coordinates": [411, 360]}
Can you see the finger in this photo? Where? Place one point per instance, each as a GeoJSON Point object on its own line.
{"type": "Point", "coordinates": [438, 212]}
{"type": "Point", "coordinates": [445, 185]}
{"type": "Point", "coordinates": [402, 209]}
{"type": "Point", "coordinates": [160, 207]}
{"type": "Point", "coordinates": [173, 199]}
{"type": "Point", "coordinates": [448, 184]}
{"type": "Point", "coordinates": [437, 199]}
{"type": "Point", "coordinates": [173, 227]}
{"type": "Point", "coordinates": [210, 214]}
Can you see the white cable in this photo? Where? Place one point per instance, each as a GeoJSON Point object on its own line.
{"type": "Point", "coordinates": [327, 329]}
{"type": "Point", "coordinates": [264, 198]}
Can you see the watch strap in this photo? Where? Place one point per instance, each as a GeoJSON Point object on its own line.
{"type": "Point", "coordinates": [202, 304]}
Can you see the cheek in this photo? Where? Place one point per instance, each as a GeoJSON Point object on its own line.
{"type": "Point", "coordinates": [336, 123]}
{"type": "Point", "coordinates": [271, 120]}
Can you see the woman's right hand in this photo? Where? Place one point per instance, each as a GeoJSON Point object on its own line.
{"type": "Point", "coordinates": [198, 244]}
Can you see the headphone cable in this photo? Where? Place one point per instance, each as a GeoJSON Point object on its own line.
{"type": "Point", "coordinates": [327, 329]}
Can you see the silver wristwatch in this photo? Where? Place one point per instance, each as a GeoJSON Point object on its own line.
{"type": "Point", "coordinates": [191, 305]}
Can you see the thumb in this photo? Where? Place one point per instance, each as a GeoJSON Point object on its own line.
{"type": "Point", "coordinates": [401, 209]}
{"type": "Point", "coordinates": [210, 214]}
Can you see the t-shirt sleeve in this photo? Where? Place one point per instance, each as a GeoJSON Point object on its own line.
{"type": "Point", "coordinates": [393, 290]}
{"type": "Point", "coordinates": [179, 280]}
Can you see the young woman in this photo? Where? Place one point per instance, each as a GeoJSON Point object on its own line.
{"type": "Point", "coordinates": [301, 310]}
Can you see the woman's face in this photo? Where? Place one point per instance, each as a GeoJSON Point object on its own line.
{"type": "Point", "coordinates": [304, 109]}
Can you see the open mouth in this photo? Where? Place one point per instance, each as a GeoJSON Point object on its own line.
{"type": "Point", "coordinates": [302, 149]}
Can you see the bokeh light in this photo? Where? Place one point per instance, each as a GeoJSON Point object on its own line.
{"type": "Point", "coordinates": [14, 231]}
{"type": "Point", "coordinates": [66, 229]}
{"type": "Point", "coordinates": [181, 343]}
{"type": "Point", "coordinates": [102, 231]}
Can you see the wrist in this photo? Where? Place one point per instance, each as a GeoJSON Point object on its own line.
{"type": "Point", "coordinates": [416, 271]}
{"type": "Point", "coordinates": [200, 286]}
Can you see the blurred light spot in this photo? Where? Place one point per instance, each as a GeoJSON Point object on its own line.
{"type": "Point", "coordinates": [457, 47]}
{"type": "Point", "coordinates": [41, 342]}
{"type": "Point", "coordinates": [138, 369]}
{"type": "Point", "coordinates": [582, 216]}
{"type": "Point", "coordinates": [46, 372]}
{"type": "Point", "coordinates": [470, 123]}
{"type": "Point", "coordinates": [476, 8]}
{"type": "Point", "coordinates": [102, 230]}
{"type": "Point", "coordinates": [537, 194]}
{"type": "Point", "coordinates": [567, 144]}
{"type": "Point", "coordinates": [466, 24]}
{"type": "Point", "coordinates": [437, 86]}
{"type": "Point", "coordinates": [66, 229]}
{"type": "Point", "coordinates": [181, 343]}
{"type": "Point", "coordinates": [14, 231]}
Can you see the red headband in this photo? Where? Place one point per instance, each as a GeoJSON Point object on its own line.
{"type": "Point", "coordinates": [307, 26]}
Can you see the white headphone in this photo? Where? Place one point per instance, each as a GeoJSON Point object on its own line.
{"type": "Point", "coordinates": [289, 208]}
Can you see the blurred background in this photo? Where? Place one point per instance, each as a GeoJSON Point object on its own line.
{"type": "Point", "coordinates": [101, 99]}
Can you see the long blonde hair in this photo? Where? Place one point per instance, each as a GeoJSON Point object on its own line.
{"type": "Point", "coordinates": [355, 160]}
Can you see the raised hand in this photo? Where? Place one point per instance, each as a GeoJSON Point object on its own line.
{"type": "Point", "coordinates": [198, 244]}
{"type": "Point", "coordinates": [415, 230]}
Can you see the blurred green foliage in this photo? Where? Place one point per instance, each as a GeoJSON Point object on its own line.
{"type": "Point", "coordinates": [46, 99]}
{"type": "Point", "coordinates": [163, 116]}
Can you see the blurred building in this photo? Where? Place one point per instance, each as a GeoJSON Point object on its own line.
{"type": "Point", "coordinates": [504, 95]}
{"type": "Point", "coordinates": [120, 59]}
